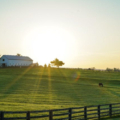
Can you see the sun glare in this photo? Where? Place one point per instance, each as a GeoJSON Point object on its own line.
{"type": "Point", "coordinates": [48, 43]}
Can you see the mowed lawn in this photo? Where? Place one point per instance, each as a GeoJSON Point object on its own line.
{"type": "Point", "coordinates": [42, 88]}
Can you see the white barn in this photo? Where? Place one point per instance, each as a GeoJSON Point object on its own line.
{"type": "Point", "coordinates": [12, 60]}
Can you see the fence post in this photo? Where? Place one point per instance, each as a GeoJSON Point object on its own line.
{"type": "Point", "coordinates": [110, 110]}
{"type": "Point", "coordinates": [85, 113]}
{"type": "Point", "coordinates": [98, 111]}
{"type": "Point", "coordinates": [50, 115]}
{"type": "Point", "coordinates": [28, 115]}
{"type": "Point", "coordinates": [1, 115]}
{"type": "Point", "coordinates": [70, 113]}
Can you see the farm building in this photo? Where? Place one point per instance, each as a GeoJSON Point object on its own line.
{"type": "Point", "coordinates": [14, 60]}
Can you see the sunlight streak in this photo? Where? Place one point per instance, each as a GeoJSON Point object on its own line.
{"type": "Point", "coordinates": [50, 86]}
{"type": "Point", "coordinates": [35, 91]}
{"type": "Point", "coordinates": [16, 79]}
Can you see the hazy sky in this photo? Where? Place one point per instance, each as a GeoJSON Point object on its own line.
{"type": "Point", "coordinates": [81, 33]}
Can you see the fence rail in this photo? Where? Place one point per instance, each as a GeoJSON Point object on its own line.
{"type": "Point", "coordinates": [81, 113]}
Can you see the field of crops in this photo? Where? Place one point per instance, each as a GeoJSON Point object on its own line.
{"type": "Point", "coordinates": [42, 88]}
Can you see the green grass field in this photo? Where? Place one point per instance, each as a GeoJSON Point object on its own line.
{"type": "Point", "coordinates": [40, 89]}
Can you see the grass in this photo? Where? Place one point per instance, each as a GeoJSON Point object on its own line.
{"type": "Point", "coordinates": [39, 88]}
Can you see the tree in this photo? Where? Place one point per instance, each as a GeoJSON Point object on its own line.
{"type": "Point", "coordinates": [49, 66]}
{"type": "Point", "coordinates": [45, 65]}
{"type": "Point", "coordinates": [18, 54]}
{"type": "Point", "coordinates": [57, 63]}
{"type": "Point", "coordinates": [109, 69]}
{"type": "Point", "coordinates": [36, 64]}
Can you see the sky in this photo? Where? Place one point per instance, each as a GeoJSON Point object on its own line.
{"type": "Point", "coordinates": [81, 33]}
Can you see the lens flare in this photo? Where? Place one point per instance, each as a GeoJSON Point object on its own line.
{"type": "Point", "coordinates": [76, 76]}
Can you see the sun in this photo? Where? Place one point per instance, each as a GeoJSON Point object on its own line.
{"type": "Point", "coordinates": [47, 43]}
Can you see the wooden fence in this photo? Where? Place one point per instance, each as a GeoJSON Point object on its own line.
{"type": "Point", "coordinates": [81, 113]}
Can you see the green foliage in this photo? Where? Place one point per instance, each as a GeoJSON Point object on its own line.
{"type": "Point", "coordinates": [57, 63]}
{"type": "Point", "coordinates": [45, 66]}
{"type": "Point", "coordinates": [18, 54]}
{"type": "Point", "coordinates": [49, 66]}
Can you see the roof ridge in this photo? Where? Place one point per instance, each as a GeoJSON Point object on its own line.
{"type": "Point", "coordinates": [15, 57]}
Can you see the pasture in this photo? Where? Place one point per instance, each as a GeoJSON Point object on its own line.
{"type": "Point", "coordinates": [42, 88]}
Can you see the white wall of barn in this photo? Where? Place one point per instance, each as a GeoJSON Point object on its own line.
{"type": "Point", "coordinates": [9, 63]}
{"type": "Point", "coordinates": [3, 60]}
{"type": "Point", "coordinates": [19, 63]}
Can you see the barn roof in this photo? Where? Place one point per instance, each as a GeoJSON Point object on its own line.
{"type": "Point", "coordinates": [15, 57]}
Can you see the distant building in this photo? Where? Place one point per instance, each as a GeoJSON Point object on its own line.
{"type": "Point", "coordinates": [14, 60]}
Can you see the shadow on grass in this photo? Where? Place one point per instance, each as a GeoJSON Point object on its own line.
{"type": "Point", "coordinates": [111, 118]}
